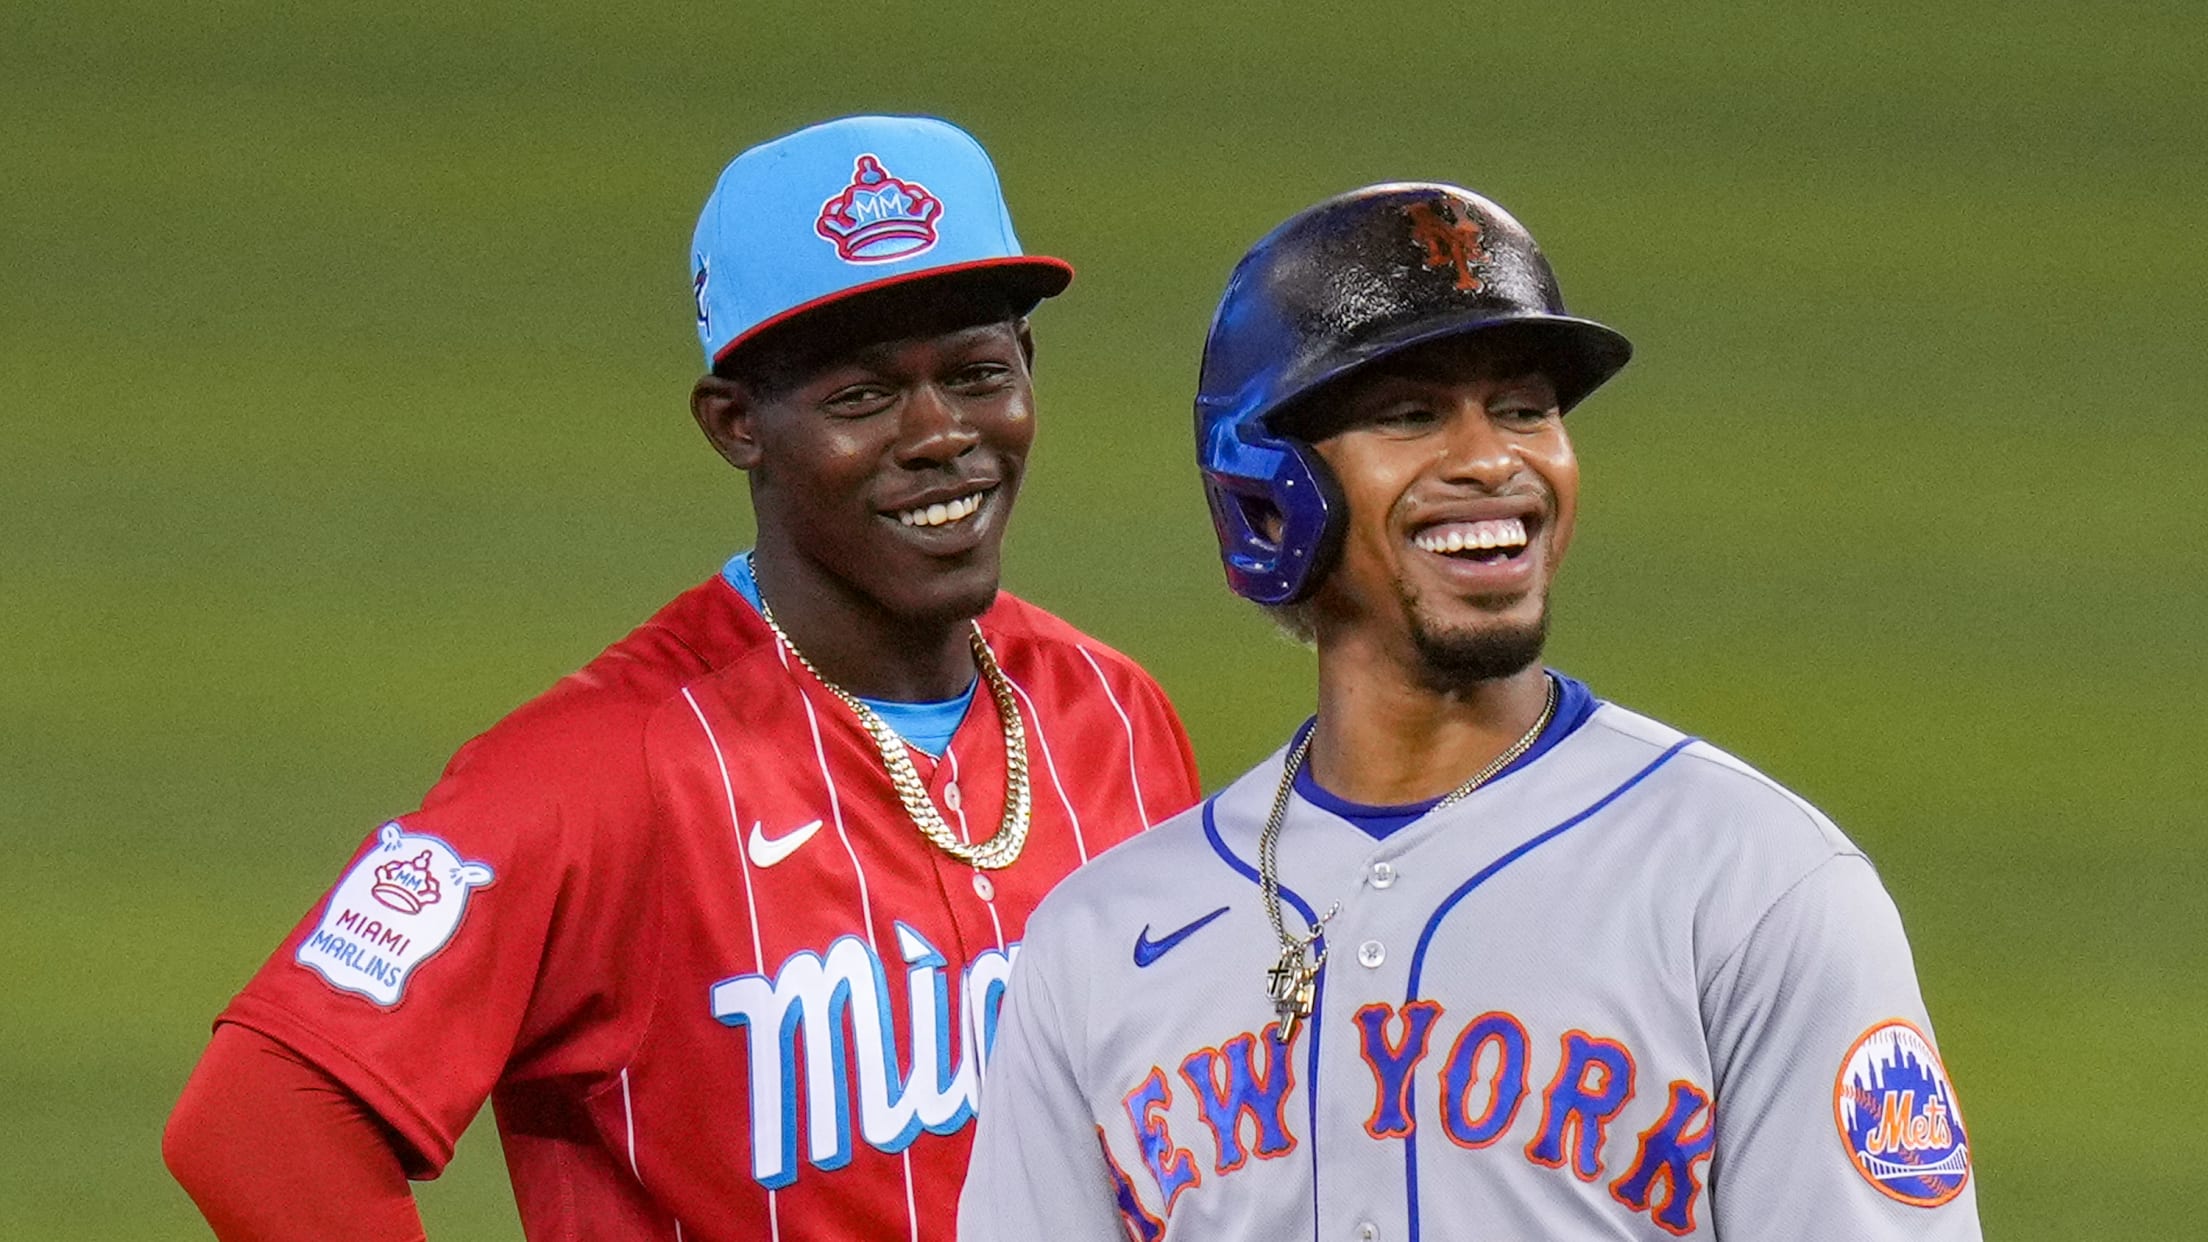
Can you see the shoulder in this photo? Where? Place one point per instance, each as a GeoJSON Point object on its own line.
{"type": "Point", "coordinates": [1737, 842]}
{"type": "Point", "coordinates": [1715, 791]}
{"type": "Point", "coordinates": [1023, 632]}
{"type": "Point", "coordinates": [584, 736]}
{"type": "Point", "coordinates": [1083, 683]}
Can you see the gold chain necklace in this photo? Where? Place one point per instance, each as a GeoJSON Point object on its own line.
{"type": "Point", "coordinates": [1292, 982]}
{"type": "Point", "coordinates": [999, 851]}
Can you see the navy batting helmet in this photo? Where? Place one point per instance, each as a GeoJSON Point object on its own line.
{"type": "Point", "coordinates": [1339, 286]}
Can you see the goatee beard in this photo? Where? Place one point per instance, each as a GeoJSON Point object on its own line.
{"type": "Point", "coordinates": [1452, 660]}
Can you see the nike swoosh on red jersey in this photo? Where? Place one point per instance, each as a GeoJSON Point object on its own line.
{"type": "Point", "coordinates": [766, 851]}
{"type": "Point", "coordinates": [1148, 950]}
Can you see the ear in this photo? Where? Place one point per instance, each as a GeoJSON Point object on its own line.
{"type": "Point", "coordinates": [724, 409]}
{"type": "Point", "coordinates": [1027, 341]}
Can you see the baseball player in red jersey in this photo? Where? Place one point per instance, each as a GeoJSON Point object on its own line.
{"type": "Point", "coordinates": [720, 923]}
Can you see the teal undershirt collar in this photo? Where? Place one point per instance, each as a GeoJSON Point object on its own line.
{"type": "Point", "coordinates": [926, 726]}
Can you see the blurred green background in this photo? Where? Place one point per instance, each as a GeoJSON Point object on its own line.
{"type": "Point", "coordinates": [344, 352]}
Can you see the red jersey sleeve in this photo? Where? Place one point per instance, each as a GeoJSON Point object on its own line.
{"type": "Point", "coordinates": [492, 936]}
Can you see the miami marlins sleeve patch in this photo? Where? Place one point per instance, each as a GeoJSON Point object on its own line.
{"type": "Point", "coordinates": [393, 911]}
{"type": "Point", "coordinates": [1897, 1116]}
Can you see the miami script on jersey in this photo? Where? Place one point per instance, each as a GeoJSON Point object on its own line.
{"type": "Point", "coordinates": [673, 920]}
{"type": "Point", "coordinates": [1630, 990]}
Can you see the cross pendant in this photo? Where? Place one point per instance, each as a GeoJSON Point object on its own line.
{"type": "Point", "coordinates": [1292, 983]}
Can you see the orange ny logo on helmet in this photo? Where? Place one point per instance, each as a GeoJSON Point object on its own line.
{"type": "Point", "coordinates": [1451, 240]}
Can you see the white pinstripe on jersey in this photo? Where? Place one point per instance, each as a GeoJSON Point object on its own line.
{"type": "Point", "coordinates": [751, 910]}
{"type": "Point", "coordinates": [1133, 780]}
{"type": "Point", "coordinates": [1035, 719]}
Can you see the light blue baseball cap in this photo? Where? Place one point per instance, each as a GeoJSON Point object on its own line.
{"type": "Point", "coordinates": [848, 206]}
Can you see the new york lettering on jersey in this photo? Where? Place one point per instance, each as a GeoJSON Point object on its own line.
{"type": "Point", "coordinates": [811, 1015]}
{"type": "Point", "coordinates": [1472, 1082]}
{"type": "Point", "coordinates": [1528, 1005]}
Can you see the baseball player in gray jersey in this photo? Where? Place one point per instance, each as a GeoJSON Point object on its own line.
{"type": "Point", "coordinates": [1477, 955]}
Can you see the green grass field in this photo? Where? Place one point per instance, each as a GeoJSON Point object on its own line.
{"type": "Point", "coordinates": [343, 359]}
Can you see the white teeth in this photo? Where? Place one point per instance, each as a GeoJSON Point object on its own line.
{"type": "Point", "coordinates": [943, 511]}
{"type": "Point", "coordinates": [1481, 536]}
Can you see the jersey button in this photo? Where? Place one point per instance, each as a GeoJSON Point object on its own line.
{"type": "Point", "coordinates": [984, 887]}
{"type": "Point", "coordinates": [1383, 874]}
{"type": "Point", "coordinates": [951, 796]}
{"type": "Point", "coordinates": [1368, 1232]}
{"type": "Point", "coordinates": [1371, 953]}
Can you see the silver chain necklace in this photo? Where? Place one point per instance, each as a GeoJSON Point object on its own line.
{"type": "Point", "coordinates": [1292, 982]}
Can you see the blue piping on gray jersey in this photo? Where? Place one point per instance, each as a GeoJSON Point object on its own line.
{"type": "Point", "coordinates": [1433, 924]}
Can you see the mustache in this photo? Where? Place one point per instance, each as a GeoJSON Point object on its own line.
{"type": "Point", "coordinates": [1543, 496]}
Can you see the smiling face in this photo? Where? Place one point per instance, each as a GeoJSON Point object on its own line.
{"type": "Point", "coordinates": [1461, 489]}
{"type": "Point", "coordinates": [884, 454]}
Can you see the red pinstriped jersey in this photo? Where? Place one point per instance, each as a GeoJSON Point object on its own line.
{"type": "Point", "coordinates": [672, 919]}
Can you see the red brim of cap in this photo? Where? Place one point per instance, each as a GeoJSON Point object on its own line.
{"type": "Point", "coordinates": [1031, 277]}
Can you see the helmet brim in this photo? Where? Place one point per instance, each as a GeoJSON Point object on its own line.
{"type": "Point", "coordinates": [1577, 355]}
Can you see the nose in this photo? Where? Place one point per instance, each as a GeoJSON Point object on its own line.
{"type": "Point", "coordinates": [933, 430]}
{"type": "Point", "coordinates": [1476, 451]}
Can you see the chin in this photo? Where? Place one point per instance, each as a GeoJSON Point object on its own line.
{"type": "Point", "coordinates": [951, 596]}
{"type": "Point", "coordinates": [1458, 657]}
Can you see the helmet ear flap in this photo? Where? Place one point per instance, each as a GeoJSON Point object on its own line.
{"type": "Point", "coordinates": [1277, 509]}
{"type": "Point", "coordinates": [1313, 529]}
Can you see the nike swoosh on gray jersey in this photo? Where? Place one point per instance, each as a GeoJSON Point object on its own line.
{"type": "Point", "coordinates": [1148, 950]}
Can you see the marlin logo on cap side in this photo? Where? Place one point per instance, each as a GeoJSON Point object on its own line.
{"type": "Point", "coordinates": [878, 217]}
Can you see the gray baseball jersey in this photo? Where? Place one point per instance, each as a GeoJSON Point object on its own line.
{"type": "Point", "coordinates": [1630, 989]}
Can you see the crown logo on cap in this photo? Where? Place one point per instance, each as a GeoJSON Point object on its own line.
{"type": "Point", "coordinates": [879, 217]}
{"type": "Point", "coordinates": [406, 886]}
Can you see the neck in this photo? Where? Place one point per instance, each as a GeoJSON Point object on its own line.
{"type": "Point", "coordinates": [1385, 738]}
{"type": "Point", "coordinates": [854, 641]}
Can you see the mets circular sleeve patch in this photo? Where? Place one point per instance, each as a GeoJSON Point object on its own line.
{"type": "Point", "coordinates": [1896, 1111]}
